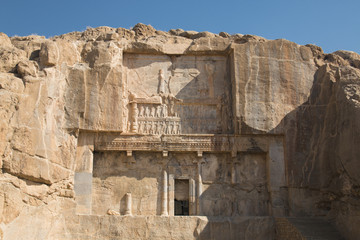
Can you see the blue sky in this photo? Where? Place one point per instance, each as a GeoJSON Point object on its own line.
{"type": "Point", "coordinates": [332, 25]}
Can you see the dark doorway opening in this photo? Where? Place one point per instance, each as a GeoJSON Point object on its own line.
{"type": "Point", "coordinates": [181, 208]}
{"type": "Point", "coordinates": [181, 200]}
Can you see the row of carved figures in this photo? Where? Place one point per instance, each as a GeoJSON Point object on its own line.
{"type": "Point", "coordinates": [159, 127]}
{"type": "Point", "coordinates": [154, 111]}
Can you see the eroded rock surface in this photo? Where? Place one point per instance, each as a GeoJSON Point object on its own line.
{"type": "Point", "coordinates": [255, 127]}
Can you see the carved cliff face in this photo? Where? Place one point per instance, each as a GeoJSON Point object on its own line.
{"type": "Point", "coordinates": [274, 124]}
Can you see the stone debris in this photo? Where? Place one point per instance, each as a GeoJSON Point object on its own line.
{"type": "Point", "coordinates": [113, 212]}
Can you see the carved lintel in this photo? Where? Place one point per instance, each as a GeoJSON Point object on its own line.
{"type": "Point", "coordinates": [199, 153]}
{"type": "Point", "coordinates": [165, 153]}
{"type": "Point", "coordinates": [128, 153]}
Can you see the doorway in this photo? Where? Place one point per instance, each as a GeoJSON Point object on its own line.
{"type": "Point", "coordinates": [181, 199]}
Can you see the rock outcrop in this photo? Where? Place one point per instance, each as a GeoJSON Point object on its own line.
{"type": "Point", "coordinates": [293, 106]}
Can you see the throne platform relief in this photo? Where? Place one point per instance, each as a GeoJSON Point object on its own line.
{"type": "Point", "coordinates": [174, 95]}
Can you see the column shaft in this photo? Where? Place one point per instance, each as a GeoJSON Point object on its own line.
{"type": "Point", "coordinates": [164, 208]}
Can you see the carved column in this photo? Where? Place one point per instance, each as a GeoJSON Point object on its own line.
{"type": "Point", "coordinates": [171, 194]}
{"type": "Point", "coordinates": [134, 115]}
{"type": "Point", "coordinates": [128, 204]}
{"type": "Point", "coordinates": [192, 197]}
{"type": "Point", "coordinates": [164, 206]}
{"type": "Point", "coordinates": [199, 187]}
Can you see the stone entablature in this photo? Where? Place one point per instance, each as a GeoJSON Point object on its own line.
{"type": "Point", "coordinates": [182, 143]}
{"type": "Point", "coordinates": [167, 143]}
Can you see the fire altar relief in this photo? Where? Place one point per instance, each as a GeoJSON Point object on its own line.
{"type": "Point", "coordinates": [175, 95]}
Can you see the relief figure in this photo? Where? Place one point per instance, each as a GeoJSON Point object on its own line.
{"type": "Point", "coordinates": [139, 127]}
{"type": "Point", "coordinates": [158, 111]}
{"type": "Point", "coordinates": [141, 111]}
{"type": "Point", "coordinates": [148, 126]}
{"type": "Point", "coordinates": [152, 113]}
{"type": "Point", "coordinates": [175, 127]}
{"type": "Point", "coordinates": [178, 128]}
{"type": "Point", "coordinates": [156, 127]}
{"type": "Point", "coordinates": [161, 127]}
{"type": "Point", "coordinates": [164, 85]}
{"type": "Point", "coordinates": [167, 127]}
{"type": "Point", "coordinates": [147, 111]}
{"type": "Point", "coordinates": [172, 129]}
{"type": "Point", "coordinates": [171, 100]}
{"type": "Point", "coordinates": [164, 111]}
{"type": "Point", "coordinates": [151, 127]}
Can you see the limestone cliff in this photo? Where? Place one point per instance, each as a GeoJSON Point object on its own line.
{"type": "Point", "coordinates": [55, 92]}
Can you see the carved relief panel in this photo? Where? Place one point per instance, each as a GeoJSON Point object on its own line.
{"type": "Point", "coordinates": [177, 94]}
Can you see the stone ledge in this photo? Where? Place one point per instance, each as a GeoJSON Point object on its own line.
{"type": "Point", "coordinates": [169, 227]}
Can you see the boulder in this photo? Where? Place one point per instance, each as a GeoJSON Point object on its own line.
{"type": "Point", "coordinates": [49, 54]}
{"type": "Point", "coordinates": [27, 68]}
